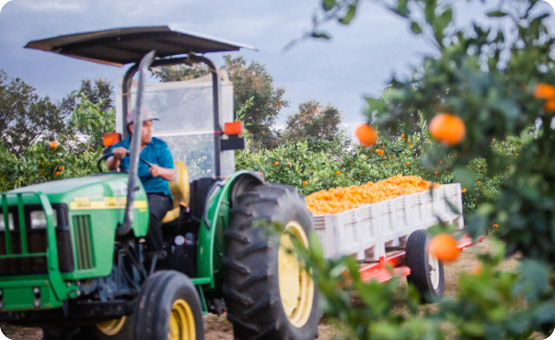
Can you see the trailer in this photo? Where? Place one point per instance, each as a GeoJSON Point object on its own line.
{"type": "Point", "coordinates": [390, 238]}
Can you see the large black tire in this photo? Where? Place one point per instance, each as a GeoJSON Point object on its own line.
{"type": "Point", "coordinates": [257, 307]}
{"type": "Point", "coordinates": [427, 273]}
{"type": "Point", "coordinates": [168, 307]}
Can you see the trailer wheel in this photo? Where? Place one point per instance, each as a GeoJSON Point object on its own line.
{"type": "Point", "coordinates": [426, 271]}
{"type": "Point", "coordinates": [168, 307]}
{"type": "Point", "coordinates": [268, 293]}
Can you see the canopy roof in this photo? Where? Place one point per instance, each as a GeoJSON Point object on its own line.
{"type": "Point", "coordinates": [128, 45]}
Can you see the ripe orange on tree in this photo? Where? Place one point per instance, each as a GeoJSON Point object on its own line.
{"type": "Point", "coordinates": [447, 128]}
{"type": "Point", "coordinates": [367, 135]}
{"type": "Point", "coordinates": [444, 247]}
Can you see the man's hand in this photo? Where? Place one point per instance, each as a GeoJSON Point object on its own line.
{"type": "Point", "coordinates": [120, 152]}
{"type": "Point", "coordinates": [114, 161]}
{"type": "Point", "coordinates": [155, 170]}
{"type": "Point", "coordinates": [158, 171]}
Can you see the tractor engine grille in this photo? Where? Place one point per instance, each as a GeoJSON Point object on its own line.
{"type": "Point", "coordinates": [82, 229]}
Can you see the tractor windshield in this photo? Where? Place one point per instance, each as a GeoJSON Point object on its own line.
{"type": "Point", "coordinates": [185, 110]}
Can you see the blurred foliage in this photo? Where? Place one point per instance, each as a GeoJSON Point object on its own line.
{"type": "Point", "coordinates": [487, 77]}
{"type": "Point", "coordinates": [73, 154]}
{"type": "Point", "coordinates": [313, 122]}
{"type": "Point", "coordinates": [98, 92]}
{"type": "Point", "coordinates": [25, 117]}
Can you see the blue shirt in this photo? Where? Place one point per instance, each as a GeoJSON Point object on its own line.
{"type": "Point", "coordinates": [155, 152]}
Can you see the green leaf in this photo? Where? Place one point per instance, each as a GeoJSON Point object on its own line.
{"type": "Point", "coordinates": [375, 105]}
{"type": "Point", "coordinates": [328, 4]}
{"type": "Point", "coordinates": [497, 14]}
{"type": "Point", "coordinates": [464, 176]}
{"type": "Point", "coordinates": [349, 16]}
{"type": "Point", "coordinates": [321, 35]}
{"type": "Point", "coordinates": [430, 10]}
{"type": "Point", "coordinates": [416, 28]}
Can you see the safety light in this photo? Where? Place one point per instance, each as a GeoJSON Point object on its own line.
{"type": "Point", "coordinates": [111, 138]}
{"type": "Point", "coordinates": [233, 128]}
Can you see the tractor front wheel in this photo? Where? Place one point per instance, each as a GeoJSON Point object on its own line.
{"type": "Point", "coordinates": [168, 307]}
{"type": "Point", "coordinates": [267, 290]}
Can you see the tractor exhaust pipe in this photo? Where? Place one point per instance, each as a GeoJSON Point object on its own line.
{"type": "Point", "coordinates": [124, 229]}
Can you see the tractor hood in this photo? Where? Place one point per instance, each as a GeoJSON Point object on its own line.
{"type": "Point", "coordinates": [66, 186]}
{"type": "Point", "coordinates": [103, 191]}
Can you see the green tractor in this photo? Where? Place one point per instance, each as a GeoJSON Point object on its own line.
{"type": "Point", "coordinates": [72, 252]}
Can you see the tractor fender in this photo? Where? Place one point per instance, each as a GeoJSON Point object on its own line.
{"type": "Point", "coordinates": [215, 221]}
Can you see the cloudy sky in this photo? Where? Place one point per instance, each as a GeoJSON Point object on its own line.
{"type": "Point", "coordinates": [360, 59]}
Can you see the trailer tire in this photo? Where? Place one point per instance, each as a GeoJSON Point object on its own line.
{"type": "Point", "coordinates": [168, 306]}
{"type": "Point", "coordinates": [267, 293]}
{"type": "Point", "coordinates": [427, 273]}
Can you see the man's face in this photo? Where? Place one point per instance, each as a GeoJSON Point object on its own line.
{"type": "Point", "coordinates": [146, 131]}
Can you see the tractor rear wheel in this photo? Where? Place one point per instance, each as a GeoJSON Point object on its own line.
{"type": "Point", "coordinates": [426, 271]}
{"type": "Point", "coordinates": [268, 293]}
{"type": "Point", "coordinates": [168, 307]}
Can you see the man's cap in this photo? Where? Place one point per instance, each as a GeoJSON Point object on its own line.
{"type": "Point", "coordinates": [146, 116]}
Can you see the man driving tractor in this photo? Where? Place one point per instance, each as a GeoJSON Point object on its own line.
{"type": "Point", "coordinates": [155, 170]}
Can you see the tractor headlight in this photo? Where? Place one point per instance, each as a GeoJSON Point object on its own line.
{"type": "Point", "coordinates": [10, 221]}
{"type": "Point", "coordinates": [38, 219]}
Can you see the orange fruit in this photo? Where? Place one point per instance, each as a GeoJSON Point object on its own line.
{"type": "Point", "coordinates": [57, 173]}
{"type": "Point", "coordinates": [53, 145]}
{"type": "Point", "coordinates": [338, 172]}
{"type": "Point", "coordinates": [61, 168]}
{"type": "Point", "coordinates": [444, 247]}
{"type": "Point", "coordinates": [447, 128]}
{"type": "Point", "coordinates": [477, 269]}
{"type": "Point", "coordinates": [276, 163]}
{"type": "Point", "coordinates": [549, 105]}
{"type": "Point", "coordinates": [367, 135]}
{"type": "Point", "coordinates": [544, 91]}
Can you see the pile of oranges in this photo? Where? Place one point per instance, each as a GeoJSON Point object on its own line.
{"type": "Point", "coordinates": [340, 199]}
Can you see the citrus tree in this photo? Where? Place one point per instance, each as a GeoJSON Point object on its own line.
{"type": "Point", "coordinates": [481, 92]}
{"type": "Point", "coordinates": [72, 153]}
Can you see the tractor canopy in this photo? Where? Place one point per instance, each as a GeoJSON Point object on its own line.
{"type": "Point", "coordinates": [123, 46]}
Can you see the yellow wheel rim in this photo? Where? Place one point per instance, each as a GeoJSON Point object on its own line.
{"type": "Point", "coordinates": [182, 322]}
{"type": "Point", "coordinates": [111, 327]}
{"type": "Point", "coordinates": [296, 287]}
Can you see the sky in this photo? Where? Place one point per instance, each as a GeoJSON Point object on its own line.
{"type": "Point", "coordinates": [360, 59]}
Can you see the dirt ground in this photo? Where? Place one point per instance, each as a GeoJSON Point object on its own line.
{"type": "Point", "coordinates": [218, 328]}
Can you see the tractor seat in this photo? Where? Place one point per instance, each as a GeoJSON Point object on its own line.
{"type": "Point", "coordinates": [180, 191]}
